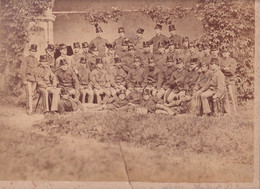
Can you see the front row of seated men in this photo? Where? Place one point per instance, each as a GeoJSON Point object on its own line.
{"type": "Point", "coordinates": [167, 90]}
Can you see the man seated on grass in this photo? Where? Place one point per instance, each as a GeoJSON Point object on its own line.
{"type": "Point", "coordinates": [67, 79]}
{"type": "Point", "coordinates": [67, 103]}
{"type": "Point", "coordinates": [83, 74]}
{"type": "Point", "coordinates": [46, 84]}
{"type": "Point", "coordinates": [101, 83]}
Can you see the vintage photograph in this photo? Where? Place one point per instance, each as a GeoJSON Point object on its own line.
{"type": "Point", "coordinates": [158, 91]}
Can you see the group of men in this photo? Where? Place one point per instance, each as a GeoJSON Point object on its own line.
{"type": "Point", "coordinates": [175, 74]}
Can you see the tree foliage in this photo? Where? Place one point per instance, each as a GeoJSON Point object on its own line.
{"type": "Point", "coordinates": [231, 23]}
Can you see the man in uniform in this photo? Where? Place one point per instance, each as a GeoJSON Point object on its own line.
{"type": "Point", "coordinates": [138, 42]}
{"type": "Point", "coordinates": [185, 46]}
{"type": "Point", "coordinates": [63, 50]}
{"type": "Point", "coordinates": [50, 56]}
{"type": "Point", "coordinates": [168, 69]}
{"type": "Point", "coordinates": [192, 55]}
{"type": "Point", "coordinates": [174, 37]}
{"type": "Point", "coordinates": [46, 84]}
{"type": "Point", "coordinates": [108, 60]}
{"type": "Point", "coordinates": [129, 59]}
{"type": "Point", "coordinates": [118, 76]}
{"type": "Point", "coordinates": [99, 42]}
{"type": "Point", "coordinates": [154, 78]}
{"type": "Point", "coordinates": [201, 85]}
{"type": "Point", "coordinates": [91, 61]}
{"type": "Point", "coordinates": [85, 53]}
{"type": "Point", "coordinates": [75, 58]}
{"type": "Point", "coordinates": [67, 79]}
{"type": "Point", "coordinates": [228, 66]}
{"type": "Point", "coordinates": [85, 87]}
{"type": "Point", "coordinates": [145, 54]}
{"type": "Point", "coordinates": [179, 85]}
{"type": "Point", "coordinates": [193, 74]}
{"type": "Point", "coordinates": [118, 41]}
{"type": "Point", "coordinates": [171, 48]}
{"type": "Point", "coordinates": [214, 52]}
{"type": "Point", "coordinates": [158, 39]}
{"type": "Point", "coordinates": [124, 51]}
{"type": "Point", "coordinates": [216, 90]}
{"type": "Point", "coordinates": [101, 83]}
{"type": "Point", "coordinates": [137, 77]}
{"type": "Point", "coordinates": [200, 49]}
{"type": "Point", "coordinates": [28, 72]}
{"type": "Point", "coordinates": [206, 53]}
{"type": "Point", "coordinates": [160, 57]}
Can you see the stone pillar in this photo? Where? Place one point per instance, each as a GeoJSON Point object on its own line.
{"type": "Point", "coordinates": [41, 32]}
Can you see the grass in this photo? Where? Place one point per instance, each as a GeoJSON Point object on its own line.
{"type": "Point", "coordinates": [227, 137]}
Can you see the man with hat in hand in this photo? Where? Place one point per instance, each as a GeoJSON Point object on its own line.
{"type": "Point", "coordinates": [50, 56]}
{"type": "Point", "coordinates": [158, 39]}
{"type": "Point", "coordinates": [28, 73]}
{"type": "Point", "coordinates": [138, 42]}
{"type": "Point", "coordinates": [63, 50]}
{"type": "Point", "coordinates": [75, 58]}
{"type": "Point", "coordinates": [174, 37]}
{"type": "Point", "coordinates": [99, 42]}
{"type": "Point", "coordinates": [228, 66]}
{"type": "Point", "coordinates": [118, 41]}
{"type": "Point", "coordinates": [46, 84]}
{"type": "Point", "coordinates": [67, 79]}
{"type": "Point", "coordinates": [168, 68]}
{"type": "Point", "coordinates": [137, 77]}
{"type": "Point", "coordinates": [154, 78]}
{"type": "Point", "coordinates": [100, 81]}
{"type": "Point", "coordinates": [85, 87]}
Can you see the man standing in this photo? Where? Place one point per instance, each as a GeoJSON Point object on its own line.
{"type": "Point", "coordinates": [228, 66]}
{"type": "Point", "coordinates": [67, 79]}
{"type": "Point", "coordinates": [101, 83]}
{"type": "Point", "coordinates": [138, 42]}
{"type": "Point", "coordinates": [99, 42]}
{"type": "Point", "coordinates": [124, 49]}
{"type": "Point", "coordinates": [158, 39]}
{"type": "Point", "coordinates": [85, 53]}
{"type": "Point", "coordinates": [50, 56]}
{"type": "Point", "coordinates": [63, 50]}
{"type": "Point", "coordinates": [145, 54]}
{"type": "Point", "coordinates": [118, 41]}
{"type": "Point", "coordinates": [28, 72]}
{"type": "Point", "coordinates": [154, 78]}
{"type": "Point", "coordinates": [46, 84]}
{"type": "Point", "coordinates": [174, 37]}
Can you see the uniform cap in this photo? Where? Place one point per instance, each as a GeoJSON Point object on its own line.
{"type": "Point", "coordinates": [83, 60]}
{"type": "Point", "coordinates": [140, 30]}
{"type": "Point", "coordinates": [98, 29]}
{"type": "Point", "coordinates": [85, 45]}
{"type": "Point", "coordinates": [50, 47]}
{"type": "Point", "coordinates": [33, 48]}
{"type": "Point", "coordinates": [191, 44]}
{"type": "Point", "coordinates": [117, 60]}
{"type": "Point", "coordinates": [43, 58]}
{"type": "Point", "coordinates": [161, 44]}
{"type": "Point", "coordinates": [185, 39]}
{"type": "Point", "coordinates": [214, 61]}
{"type": "Point", "coordinates": [62, 46]}
{"type": "Point", "coordinates": [121, 30]}
{"type": "Point", "coordinates": [125, 42]}
{"type": "Point", "coordinates": [158, 26]}
{"type": "Point", "coordinates": [172, 27]}
{"type": "Point", "coordinates": [146, 44]}
{"type": "Point", "coordinates": [99, 60]}
{"type": "Point", "coordinates": [63, 62]}
{"type": "Point", "coordinates": [76, 45]}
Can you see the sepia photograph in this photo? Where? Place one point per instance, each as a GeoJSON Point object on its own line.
{"type": "Point", "coordinates": [129, 94]}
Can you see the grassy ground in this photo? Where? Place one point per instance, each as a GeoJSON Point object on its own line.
{"type": "Point", "coordinates": [159, 148]}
